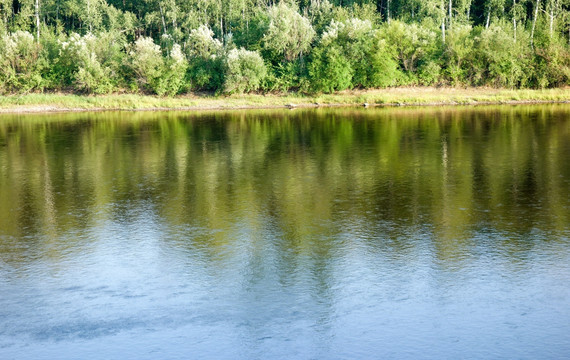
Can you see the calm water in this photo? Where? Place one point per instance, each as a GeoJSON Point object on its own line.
{"type": "Point", "coordinates": [426, 233]}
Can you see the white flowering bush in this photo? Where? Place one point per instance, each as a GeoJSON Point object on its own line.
{"type": "Point", "coordinates": [163, 76]}
{"type": "Point", "coordinates": [20, 63]}
{"type": "Point", "coordinates": [90, 63]}
{"type": "Point", "coordinates": [93, 77]}
{"type": "Point", "coordinates": [289, 33]}
{"type": "Point", "coordinates": [206, 59]}
{"type": "Point", "coordinates": [173, 78]}
{"type": "Point", "coordinates": [350, 30]}
{"type": "Point", "coordinates": [147, 62]}
{"type": "Point", "coordinates": [244, 71]}
{"type": "Point", "coordinates": [201, 43]}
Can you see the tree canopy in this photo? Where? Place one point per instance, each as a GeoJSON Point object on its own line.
{"type": "Point", "coordinates": [168, 47]}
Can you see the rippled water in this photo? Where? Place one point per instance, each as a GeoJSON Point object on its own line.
{"type": "Point", "coordinates": [320, 234]}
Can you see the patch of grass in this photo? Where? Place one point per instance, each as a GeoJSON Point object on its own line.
{"type": "Point", "coordinates": [390, 96]}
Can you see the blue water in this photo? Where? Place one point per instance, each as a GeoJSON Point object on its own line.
{"type": "Point", "coordinates": [329, 234]}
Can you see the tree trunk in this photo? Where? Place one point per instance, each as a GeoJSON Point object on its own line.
{"type": "Point", "coordinates": [162, 17]}
{"type": "Point", "coordinates": [534, 24]}
{"type": "Point", "coordinates": [38, 20]}
{"type": "Point", "coordinates": [89, 16]}
{"type": "Point", "coordinates": [443, 22]}
{"type": "Point", "coordinates": [551, 20]}
{"type": "Point", "coordinates": [514, 21]}
{"type": "Point", "coordinates": [450, 13]}
{"type": "Point", "coordinates": [388, 3]}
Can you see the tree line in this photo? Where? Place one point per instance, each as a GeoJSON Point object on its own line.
{"type": "Point", "coordinates": [169, 47]}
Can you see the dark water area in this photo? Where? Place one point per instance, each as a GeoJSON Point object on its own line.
{"type": "Point", "coordinates": [432, 233]}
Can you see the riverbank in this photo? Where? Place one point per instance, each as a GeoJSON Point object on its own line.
{"type": "Point", "coordinates": [406, 96]}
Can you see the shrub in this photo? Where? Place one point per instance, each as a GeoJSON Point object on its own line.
{"type": "Point", "coordinates": [457, 50]}
{"type": "Point", "coordinates": [206, 62]}
{"type": "Point", "coordinates": [497, 60]}
{"type": "Point", "coordinates": [173, 81]}
{"type": "Point", "coordinates": [289, 34]}
{"type": "Point", "coordinates": [329, 69]}
{"type": "Point", "coordinates": [244, 71]}
{"type": "Point", "coordinates": [383, 69]}
{"type": "Point", "coordinates": [552, 61]}
{"type": "Point", "coordinates": [201, 43]}
{"type": "Point", "coordinates": [429, 73]}
{"type": "Point", "coordinates": [20, 62]}
{"type": "Point", "coordinates": [412, 44]}
{"type": "Point", "coordinates": [83, 68]}
{"type": "Point", "coordinates": [147, 63]}
{"type": "Point", "coordinates": [356, 46]}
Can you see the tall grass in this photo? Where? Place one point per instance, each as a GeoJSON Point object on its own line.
{"type": "Point", "coordinates": [385, 97]}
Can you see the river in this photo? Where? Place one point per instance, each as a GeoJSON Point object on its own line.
{"type": "Point", "coordinates": [403, 233]}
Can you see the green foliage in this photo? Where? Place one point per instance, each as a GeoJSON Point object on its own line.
{"type": "Point", "coordinates": [252, 30]}
{"type": "Point", "coordinates": [353, 55]}
{"type": "Point", "coordinates": [172, 80]}
{"type": "Point", "coordinates": [148, 64]}
{"type": "Point", "coordinates": [20, 63]}
{"type": "Point", "coordinates": [552, 64]}
{"type": "Point", "coordinates": [551, 60]}
{"type": "Point", "coordinates": [429, 73]}
{"type": "Point", "coordinates": [289, 34]}
{"type": "Point", "coordinates": [163, 76]}
{"type": "Point", "coordinates": [496, 60]}
{"type": "Point", "coordinates": [92, 77]}
{"type": "Point", "coordinates": [244, 71]}
{"type": "Point", "coordinates": [206, 74]}
{"type": "Point", "coordinates": [329, 69]}
{"type": "Point", "coordinates": [206, 63]}
{"type": "Point", "coordinates": [92, 64]}
{"type": "Point", "coordinates": [321, 13]}
{"type": "Point", "coordinates": [381, 66]}
{"type": "Point", "coordinates": [412, 44]}
{"type": "Point", "coordinates": [101, 46]}
{"type": "Point", "coordinates": [201, 43]}
{"type": "Point", "coordinates": [287, 76]}
{"type": "Point", "coordinates": [367, 12]}
{"type": "Point", "coordinates": [460, 43]}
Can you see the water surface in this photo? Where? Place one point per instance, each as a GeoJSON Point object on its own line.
{"type": "Point", "coordinates": [316, 234]}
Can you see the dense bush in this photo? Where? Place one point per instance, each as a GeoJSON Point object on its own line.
{"type": "Point", "coordinates": [172, 80]}
{"type": "Point", "coordinates": [496, 60]}
{"type": "Point", "coordinates": [147, 63]}
{"type": "Point", "coordinates": [329, 69]}
{"type": "Point", "coordinates": [416, 49]}
{"type": "Point", "coordinates": [206, 62]}
{"type": "Point", "coordinates": [20, 63]}
{"type": "Point", "coordinates": [89, 62]}
{"type": "Point", "coordinates": [244, 71]}
{"type": "Point", "coordinates": [289, 34]}
{"type": "Point", "coordinates": [551, 61]}
{"type": "Point", "coordinates": [457, 52]}
{"type": "Point", "coordinates": [288, 76]}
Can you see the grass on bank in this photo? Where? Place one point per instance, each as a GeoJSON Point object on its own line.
{"type": "Point", "coordinates": [386, 97]}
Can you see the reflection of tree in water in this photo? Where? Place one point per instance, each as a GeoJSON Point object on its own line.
{"type": "Point", "coordinates": [313, 175]}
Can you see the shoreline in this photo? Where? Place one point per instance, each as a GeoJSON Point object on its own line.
{"type": "Point", "coordinates": [390, 97]}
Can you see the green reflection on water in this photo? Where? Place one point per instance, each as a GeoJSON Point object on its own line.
{"type": "Point", "coordinates": [209, 179]}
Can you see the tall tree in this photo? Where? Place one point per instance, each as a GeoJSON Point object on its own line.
{"type": "Point", "coordinates": [37, 16]}
{"type": "Point", "coordinates": [534, 18]}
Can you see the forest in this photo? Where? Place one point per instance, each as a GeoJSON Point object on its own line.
{"type": "Point", "coordinates": [170, 47]}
